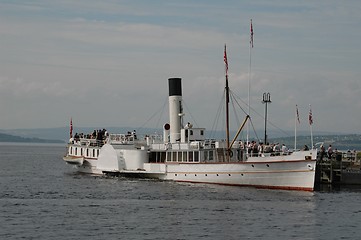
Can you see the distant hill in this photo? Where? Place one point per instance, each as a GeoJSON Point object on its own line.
{"type": "Point", "coordinates": [11, 138]}
{"type": "Point", "coordinates": [62, 133]}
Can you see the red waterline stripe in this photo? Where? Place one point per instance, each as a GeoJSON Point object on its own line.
{"type": "Point", "coordinates": [307, 189]}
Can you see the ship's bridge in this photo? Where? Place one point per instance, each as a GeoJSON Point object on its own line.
{"type": "Point", "coordinates": [192, 134]}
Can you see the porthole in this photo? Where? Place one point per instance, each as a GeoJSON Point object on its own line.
{"type": "Point", "coordinates": [267, 165]}
{"type": "Point", "coordinates": [252, 165]}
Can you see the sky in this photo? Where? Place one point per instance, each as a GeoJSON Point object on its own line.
{"type": "Point", "coordinates": [106, 63]}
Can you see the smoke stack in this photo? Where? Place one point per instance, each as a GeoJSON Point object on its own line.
{"type": "Point", "coordinates": [175, 108]}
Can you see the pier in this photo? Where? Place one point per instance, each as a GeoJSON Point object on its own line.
{"type": "Point", "coordinates": [342, 168]}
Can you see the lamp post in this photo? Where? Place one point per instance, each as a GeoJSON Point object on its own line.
{"type": "Point", "coordinates": [266, 99]}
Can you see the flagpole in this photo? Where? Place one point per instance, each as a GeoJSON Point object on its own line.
{"type": "Point", "coordinates": [310, 119]}
{"type": "Point", "coordinates": [311, 136]}
{"type": "Point", "coordinates": [227, 99]}
{"type": "Point", "coordinates": [296, 128]}
{"type": "Point", "coordinates": [71, 127]}
{"type": "Point", "coordinates": [249, 80]}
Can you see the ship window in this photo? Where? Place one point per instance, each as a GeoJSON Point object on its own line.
{"type": "Point", "coordinates": [179, 157]}
{"type": "Point", "coordinates": [206, 155]}
{"type": "Point", "coordinates": [190, 156]}
{"type": "Point", "coordinates": [162, 157]}
{"type": "Point", "coordinates": [191, 132]}
{"type": "Point", "coordinates": [210, 155]}
{"type": "Point", "coordinates": [196, 156]}
{"type": "Point", "coordinates": [169, 156]}
{"type": "Point", "coordinates": [97, 152]}
{"type": "Point", "coordinates": [76, 151]}
{"type": "Point", "coordinates": [93, 152]}
{"type": "Point", "coordinates": [174, 156]}
{"type": "Point", "coordinates": [81, 151]}
{"type": "Point", "coordinates": [87, 152]}
{"type": "Point", "coordinates": [202, 132]}
{"type": "Point", "coordinates": [184, 158]}
{"type": "Point", "coordinates": [152, 157]}
{"type": "Point", "coordinates": [71, 150]}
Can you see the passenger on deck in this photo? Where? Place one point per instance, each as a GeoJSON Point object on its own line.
{"type": "Point", "coordinates": [134, 134]}
{"type": "Point", "coordinates": [277, 149]}
{"type": "Point", "coordinates": [254, 148]}
{"type": "Point", "coordinates": [188, 125]}
{"type": "Point", "coordinates": [322, 152]}
{"type": "Point", "coordinates": [284, 149]}
{"type": "Point", "coordinates": [76, 137]}
{"type": "Point", "coordinates": [260, 148]}
{"type": "Point", "coordinates": [329, 152]}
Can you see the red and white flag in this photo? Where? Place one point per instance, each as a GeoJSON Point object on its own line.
{"type": "Point", "coordinates": [251, 42]}
{"type": "Point", "coordinates": [310, 119]}
{"type": "Point", "coordinates": [71, 127]}
{"type": "Point", "coordinates": [298, 115]}
{"type": "Point", "coordinates": [225, 59]}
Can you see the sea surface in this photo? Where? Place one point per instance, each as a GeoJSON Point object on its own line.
{"type": "Point", "coordinates": [43, 198]}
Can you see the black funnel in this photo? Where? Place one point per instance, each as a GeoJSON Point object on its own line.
{"type": "Point", "coordinates": [175, 86]}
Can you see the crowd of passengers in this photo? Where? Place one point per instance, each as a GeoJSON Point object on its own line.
{"type": "Point", "coordinates": [99, 135]}
{"type": "Point", "coordinates": [255, 148]}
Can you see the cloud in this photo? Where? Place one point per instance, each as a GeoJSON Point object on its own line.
{"type": "Point", "coordinates": [118, 55]}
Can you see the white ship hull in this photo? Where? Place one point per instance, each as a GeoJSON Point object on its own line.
{"type": "Point", "coordinates": [89, 167]}
{"type": "Point", "coordinates": [283, 174]}
{"type": "Point", "coordinates": [292, 176]}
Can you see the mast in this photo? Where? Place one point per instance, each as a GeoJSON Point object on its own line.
{"type": "Point", "coordinates": [227, 97]}
{"type": "Point", "coordinates": [249, 79]}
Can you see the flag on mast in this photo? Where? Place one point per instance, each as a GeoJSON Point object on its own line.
{"type": "Point", "coordinates": [71, 127]}
{"type": "Point", "coordinates": [297, 114]}
{"type": "Point", "coordinates": [251, 42]}
{"type": "Point", "coordinates": [310, 119]}
{"type": "Point", "coordinates": [225, 59]}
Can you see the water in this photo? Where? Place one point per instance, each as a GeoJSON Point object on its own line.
{"type": "Point", "coordinates": [43, 198]}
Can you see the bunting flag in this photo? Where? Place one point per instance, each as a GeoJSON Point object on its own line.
{"type": "Point", "coordinates": [298, 115]}
{"type": "Point", "coordinates": [310, 119]}
{"type": "Point", "coordinates": [225, 59]}
{"type": "Point", "coordinates": [251, 42]}
{"type": "Point", "coordinates": [71, 127]}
